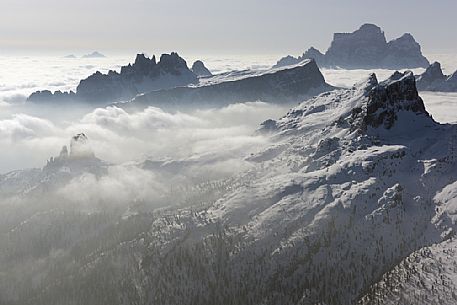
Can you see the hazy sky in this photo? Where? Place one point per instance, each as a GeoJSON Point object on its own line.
{"type": "Point", "coordinates": [216, 26]}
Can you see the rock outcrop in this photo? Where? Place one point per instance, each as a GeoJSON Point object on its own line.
{"type": "Point", "coordinates": [143, 76]}
{"type": "Point", "coordinates": [282, 85]}
{"type": "Point", "coordinates": [433, 79]}
{"type": "Point", "coordinates": [366, 48]}
{"type": "Point", "coordinates": [78, 158]}
{"type": "Point", "coordinates": [399, 92]}
{"type": "Point", "coordinates": [200, 70]}
{"type": "Point", "coordinates": [386, 100]}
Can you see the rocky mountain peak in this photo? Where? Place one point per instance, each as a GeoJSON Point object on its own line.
{"type": "Point", "coordinates": [200, 70]}
{"type": "Point", "coordinates": [172, 62]}
{"type": "Point", "coordinates": [433, 73]}
{"type": "Point", "coordinates": [370, 27]}
{"type": "Point", "coordinates": [367, 34]}
{"type": "Point", "coordinates": [397, 93]}
{"type": "Point", "coordinates": [142, 66]}
{"type": "Point", "coordinates": [94, 54]}
{"type": "Point", "coordinates": [405, 43]}
{"type": "Point", "coordinates": [143, 63]}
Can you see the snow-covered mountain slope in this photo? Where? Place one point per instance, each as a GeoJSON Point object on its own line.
{"type": "Point", "coordinates": [427, 276]}
{"type": "Point", "coordinates": [357, 182]}
{"type": "Point", "coordinates": [288, 84]}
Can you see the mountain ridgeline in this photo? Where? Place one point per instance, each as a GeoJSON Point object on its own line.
{"type": "Point", "coordinates": [144, 75]}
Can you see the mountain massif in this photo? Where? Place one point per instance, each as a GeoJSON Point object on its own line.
{"type": "Point", "coordinates": [169, 83]}
{"type": "Point", "coordinates": [280, 85]}
{"type": "Point", "coordinates": [365, 48]}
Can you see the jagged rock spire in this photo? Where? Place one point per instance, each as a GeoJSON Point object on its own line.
{"type": "Point", "coordinates": [397, 93]}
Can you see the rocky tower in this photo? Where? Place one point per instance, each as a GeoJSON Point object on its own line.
{"type": "Point", "coordinates": [433, 79]}
{"type": "Point", "coordinates": [398, 93]}
{"type": "Point", "coordinates": [78, 158]}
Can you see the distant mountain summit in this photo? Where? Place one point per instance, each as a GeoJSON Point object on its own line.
{"type": "Point", "coordinates": [94, 55]}
{"type": "Point", "coordinates": [366, 48]}
{"type": "Point", "coordinates": [144, 75]}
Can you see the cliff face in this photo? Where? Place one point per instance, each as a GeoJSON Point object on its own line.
{"type": "Point", "coordinates": [144, 75]}
{"type": "Point", "coordinates": [362, 48]}
{"type": "Point", "coordinates": [366, 48]}
{"type": "Point", "coordinates": [291, 84]}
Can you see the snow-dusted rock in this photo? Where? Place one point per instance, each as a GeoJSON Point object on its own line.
{"type": "Point", "coordinates": [366, 48]}
{"type": "Point", "coordinates": [143, 76]}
